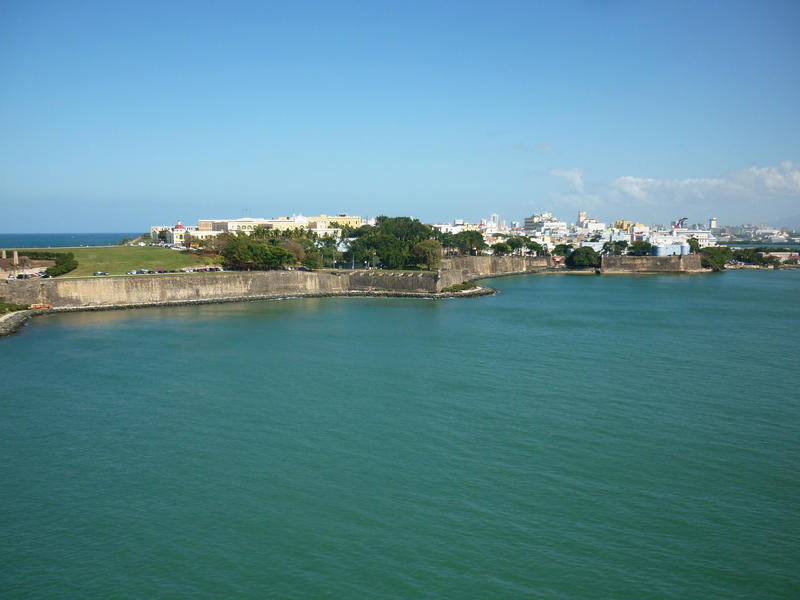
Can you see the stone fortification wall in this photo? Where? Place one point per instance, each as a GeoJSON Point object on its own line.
{"type": "Point", "coordinates": [394, 281]}
{"type": "Point", "coordinates": [88, 292]}
{"type": "Point", "coordinates": [688, 263]}
{"type": "Point", "coordinates": [155, 289]}
{"type": "Point", "coordinates": [465, 268]}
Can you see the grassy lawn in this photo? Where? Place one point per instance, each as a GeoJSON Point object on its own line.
{"type": "Point", "coordinates": [117, 259]}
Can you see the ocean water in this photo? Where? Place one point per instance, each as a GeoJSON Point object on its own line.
{"type": "Point", "coordinates": [570, 437]}
{"type": "Point", "coordinates": [61, 240]}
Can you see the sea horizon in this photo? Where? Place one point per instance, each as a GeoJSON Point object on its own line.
{"type": "Point", "coordinates": [10, 241]}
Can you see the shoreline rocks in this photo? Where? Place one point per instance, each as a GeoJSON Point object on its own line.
{"type": "Point", "coordinates": [13, 321]}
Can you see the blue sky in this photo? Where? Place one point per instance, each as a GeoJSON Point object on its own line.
{"type": "Point", "coordinates": [115, 116]}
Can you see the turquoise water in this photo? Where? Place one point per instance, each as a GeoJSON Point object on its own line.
{"type": "Point", "coordinates": [571, 437]}
{"type": "Point", "coordinates": [59, 240]}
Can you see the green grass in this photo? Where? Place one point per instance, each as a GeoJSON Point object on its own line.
{"type": "Point", "coordinates": [461, 287]}
{"type": "Point", "coordinates": [117, 259]}
{"type": "Point", "coordinates": [5, 307]}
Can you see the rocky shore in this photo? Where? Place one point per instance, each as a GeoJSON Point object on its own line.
{"type": "Point", "coordinates": [13, 321]}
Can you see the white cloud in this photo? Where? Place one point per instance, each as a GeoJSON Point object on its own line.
{"type": "Point", "coordinates": [751, 182]}
{"type": "Point", "coordinates": [748, 193]}
{"type": "Point", "coordinates": [653, 191]}
{"type": "Point", "coordinates": [784, 179]}
{"type": "Point", "coordinates": [573, 176]}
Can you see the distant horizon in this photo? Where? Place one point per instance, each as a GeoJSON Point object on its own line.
{"type": "Point", "coordinates": [145, 229]}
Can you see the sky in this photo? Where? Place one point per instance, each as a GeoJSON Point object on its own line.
{"type": "Point", "coordinates": [115, 116]}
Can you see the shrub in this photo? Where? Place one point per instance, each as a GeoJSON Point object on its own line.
{"type": "Point", "coordinates": [5, 307]}
{"type": "Point", "coordinates": [460, 287]}
{"type": "Point", "coordinates": [583, 258]}
{"type": "Point", "coordinates": [65, 261]}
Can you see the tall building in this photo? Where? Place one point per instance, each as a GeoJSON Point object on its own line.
{"type": "Point", "coordinates": [712, 223]}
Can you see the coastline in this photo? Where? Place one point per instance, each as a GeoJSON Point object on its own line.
{"type": "Point", "coordinates": [13, 321]}
{"type": "Point", "coordinates": [121, 292]}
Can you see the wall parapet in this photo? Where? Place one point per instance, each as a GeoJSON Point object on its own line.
{"type": "Point", "coordinates": [686, 263]}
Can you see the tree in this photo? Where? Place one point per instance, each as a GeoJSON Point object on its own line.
{"type": "Point", "coordinates": [616, 248]}
{"type": "Point", "coordinates": [516, 243]}
{"type": "Point", "coordinates": [427, 253]}
{"type": "Point", "coordinates": [694, 245]}
{"type": "Point", "coordinates": [236, 253]}
{"type": "Point", "coordinates": [501, 249]}
{"type": "Point", "coordinates": [640, 249]}
{"type": "Point", "coordinates": [162, 235]}
{"type": "Point", "coordinates": [446, 238]}
{"type": "Point", "coordinates": [404, 229]}
{"type": "Point", "coordinates": [294, 247]}
{"type": "Point", "coordinates": [715, 257]}
{"type": "Point", "coordinates": [562, 249]}
{"type": "Point", "coordinates": [312, 260]}
{"type": "Point", "coordinates": [583, 258]}
{"type": "Point", "coordinates": [261, 233]}
{"type": "Point", "coordinates": [390, 250]}
{"type": "Point", "coordinates": [470, 242]}
{"type": "Point", "coordinates": [217, 243]}
{"type": "Point", "coordinates": [242, 252]}
{"type": "Point", "coordinates": [535, 247]}
{"type": "Point", "coordinates": [327, 246]}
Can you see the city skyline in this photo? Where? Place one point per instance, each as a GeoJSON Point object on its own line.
{"type": "Point", "coordinates": [115, 116]}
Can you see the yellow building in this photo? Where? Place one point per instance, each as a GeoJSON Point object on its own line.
{"type": "Point", "coordinates": [326, 222]}
{"type": "Point", "coordinates": [323, 225]}
{"type": "Point", "coordinates": [623, 225]}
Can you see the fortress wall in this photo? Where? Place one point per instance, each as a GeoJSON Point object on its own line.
{"type": "Point", "coordinates": [155, 289]}
{"type": "Point", "coordinates": [465, 268]}
{"type": "Point", "coordinates": [688, 263]}
{"type": "Point", "coordinates": [118, 291]}
{"type": "Point", "coordinates": [394, 281]}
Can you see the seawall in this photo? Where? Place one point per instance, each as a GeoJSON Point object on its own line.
{"type": "Point", "coordinates": [466, 268]}
{"type": "Point", "coordinates": [90, 292]}
{"type": "Point", "coordinates": [144, 290]}
{"type": "Point", "coordinates": [688, 263]}
{"type": "Point", "coordinates": [148, 290]}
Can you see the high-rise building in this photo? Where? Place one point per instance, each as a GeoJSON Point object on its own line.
{"type": "Point", "coordinates": [712, 223]}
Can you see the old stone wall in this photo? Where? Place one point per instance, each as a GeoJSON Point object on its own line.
{"type": "Point", "coordinates": [689, 263]}
{"type": "Point", "coordinates": [87, 292]}
{"type": "Point", "coordinates": [395, 281]}
{"type": "Point", "coordinates": [151, 289]}
{"type": "Point", "coordinates": [465, 268]}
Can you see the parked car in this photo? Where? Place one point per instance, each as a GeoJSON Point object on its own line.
{"type": "Point", "coordinates": [131, 273]}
